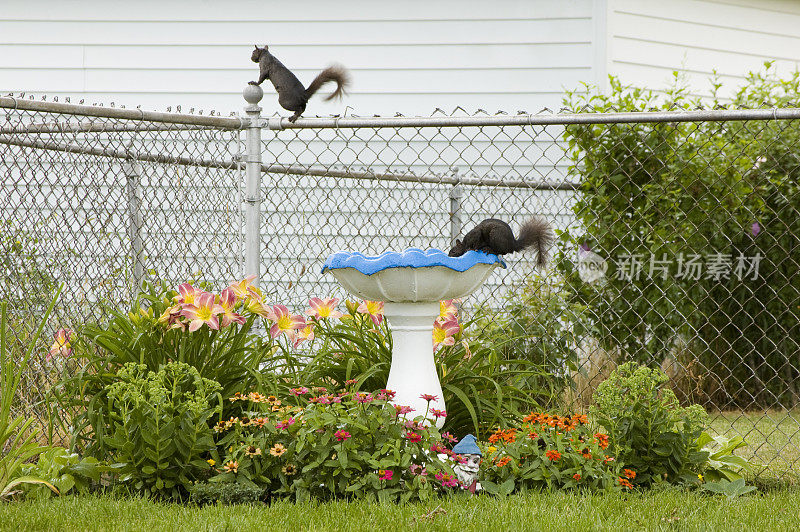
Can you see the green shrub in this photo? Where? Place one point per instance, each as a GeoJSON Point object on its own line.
{"type": "Point", "coordinates": [322, 445]}
{"type": "Point", "coordinates": [666, 191]}
{"type": "Point", "coordinates": [65, 470]}
{"type": "Point", "coordinates": [159, 426]}
{"type": "Point", "coordinates": [648, 430]}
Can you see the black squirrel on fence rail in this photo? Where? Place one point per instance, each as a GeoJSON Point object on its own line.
{"type": "Point", "coordinates": [496, 237]}
{"type": "Point", "coordinates": [291, 94]}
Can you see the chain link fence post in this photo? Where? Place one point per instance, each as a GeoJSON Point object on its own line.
{"type": "Point", "coordinates": [456, 193]}
{"type": "Point", "coordinates": [133, 173]}
{"type": "Point", "coordinates": [252, 226]}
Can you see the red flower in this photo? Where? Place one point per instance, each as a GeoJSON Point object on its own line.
{"type": "Point", "coordinates": [413, 437]}
{"type": "Point", "coordinates": [629, 473]}
{"type": "Point", "coordinates": [602, 440]}
{"type": "Point", "coordinates": [576, 476]}
{"type": "Point", "coordinates": [385, 474]}
{"type": "Point", "coordinates": [341, 435]}
{"type": "Point", "coordinates": [553, 455]}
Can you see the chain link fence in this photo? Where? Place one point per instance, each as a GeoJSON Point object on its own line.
{"type": "Point", "coordinates": [679, 233]}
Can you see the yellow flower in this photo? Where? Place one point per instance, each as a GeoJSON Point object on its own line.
{"type": "Point", "coordinates": [211, 462]}
{"type": "Point", "coordinates": [277, 450]}
{"type": "Point", "coordinates": [700, 477]}
{"type": "Point", "coordinates": [491, 449]}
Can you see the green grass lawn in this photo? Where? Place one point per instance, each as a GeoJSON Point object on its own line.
{"type": "Point", "coordinates": [655, 510]}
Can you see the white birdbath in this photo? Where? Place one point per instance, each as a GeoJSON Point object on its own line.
{"type": "Point", "coordinates": [411, 283]}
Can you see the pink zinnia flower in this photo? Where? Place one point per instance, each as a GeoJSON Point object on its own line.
{"type": "Point", "coordinates": [227, 300]}
{"type": "Point", "coordinates": [203, 311]}
{"type": "Point", "coordinates": [322, 400]}
{"type": "Point", "coordinates": [447, 480]}
{"type": "Point", "coordinates": [283, 322]}
{"type": "Point", "coordinates": [341, 435]}
{"type": "Point", "coordinates": [387, 395]}
{"type": "Point", "coordinates": [402, 409]}
{"type": "Point", "coordinates": [443, 333]}
{"type": "Point", "coordinates": [413, 437]}
{"type": "Point", "coordinates": [302, 390]}
{"type": "Point", "coordinates": [417, 469]}
{"type": "Point", "coordinates": [61, 344]}
{"type": "Point", "coordinates": [374, 309]}
{"type": "Point", "coordinates": [285, 424]}
{"type": "Point", "coordinates": [323, 308]}
{"type": "Point", "coordinates": [449, 437]}
{"type": "Point", "coordinates": [428, 397]}
{"type": "Point", "coordinates": [385, 474]}
{"type": "Point", "coordinates": [362, 397]}
{"type": "Point", "coordinates": [438, 413]}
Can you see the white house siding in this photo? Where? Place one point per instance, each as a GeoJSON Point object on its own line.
{"type": "Point", "coordinates": [408, 57]}
{"type": "Point", "coordinates": [649, 39]}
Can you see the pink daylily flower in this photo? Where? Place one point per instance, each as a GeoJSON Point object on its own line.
{"type": "Point", "coordinates": [283, 322]}
{"type": "Point", "coordinates": [374, 309]}
{"type": "Point", "coordinates": [172, 318]}
{"type": "Point", "coordinates": [323, 308]}
{"type": "Point", "coordinates": [203, 311]}
{"type": "Point", "coordinates": [227, 300]}
{"type": "Point", "coordinates": [187, 294]}
{"type": "Point", "coordinates": [243, 288]}
{"type": "Point", "coordinates": [301, 335]}
{"type": "Point", "coordinates": [443, 333]}
{"type": "Point", "coordinates": [447, 310]}
{"type": "Point", "coordinates": [61, 345]}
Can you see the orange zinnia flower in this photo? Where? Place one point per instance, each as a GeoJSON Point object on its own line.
{"type": "Point", "coordinates": [625, 483]}
{"type": "Point", "coordinates": [553, 455]}
{"type": "Point", "coordinates": [503, 461]}
{"type": "Point", "coordinates": [602, 440]}
{"type": "Point", "coordinates": [629, 473]}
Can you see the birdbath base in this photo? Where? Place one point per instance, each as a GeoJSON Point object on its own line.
{"type": "Point", "coordinates": [413, 370]}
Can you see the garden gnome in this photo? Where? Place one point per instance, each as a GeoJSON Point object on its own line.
{"type": "Point", "coordinates": [467, 472]}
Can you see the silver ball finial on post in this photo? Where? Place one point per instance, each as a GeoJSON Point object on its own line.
{"type": "Point", "coordinates": [253, 94]}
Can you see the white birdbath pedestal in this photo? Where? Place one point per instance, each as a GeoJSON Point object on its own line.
{"type": "Point", "coordinates": [411, 283]}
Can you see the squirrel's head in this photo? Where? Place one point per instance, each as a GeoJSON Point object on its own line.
{"type": "Point", "coordinates": [458, 249]}
{"type": "Point", "coordinates": [256, 57]}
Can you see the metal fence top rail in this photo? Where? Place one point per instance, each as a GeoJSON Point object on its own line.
{"type": "Point", "coordinates": [280, 123]}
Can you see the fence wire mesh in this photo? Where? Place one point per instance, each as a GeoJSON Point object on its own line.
{"type": "Point", "coordinates": [678, 242]}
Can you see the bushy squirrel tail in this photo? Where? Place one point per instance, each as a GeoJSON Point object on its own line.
{"type": "Point", "coordinates": [335, 73]}
{"type": "Point", "coordinates": [537, 233]}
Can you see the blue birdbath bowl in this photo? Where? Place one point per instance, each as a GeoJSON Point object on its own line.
{"type": "Point", "coordinates": [411, 283]}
